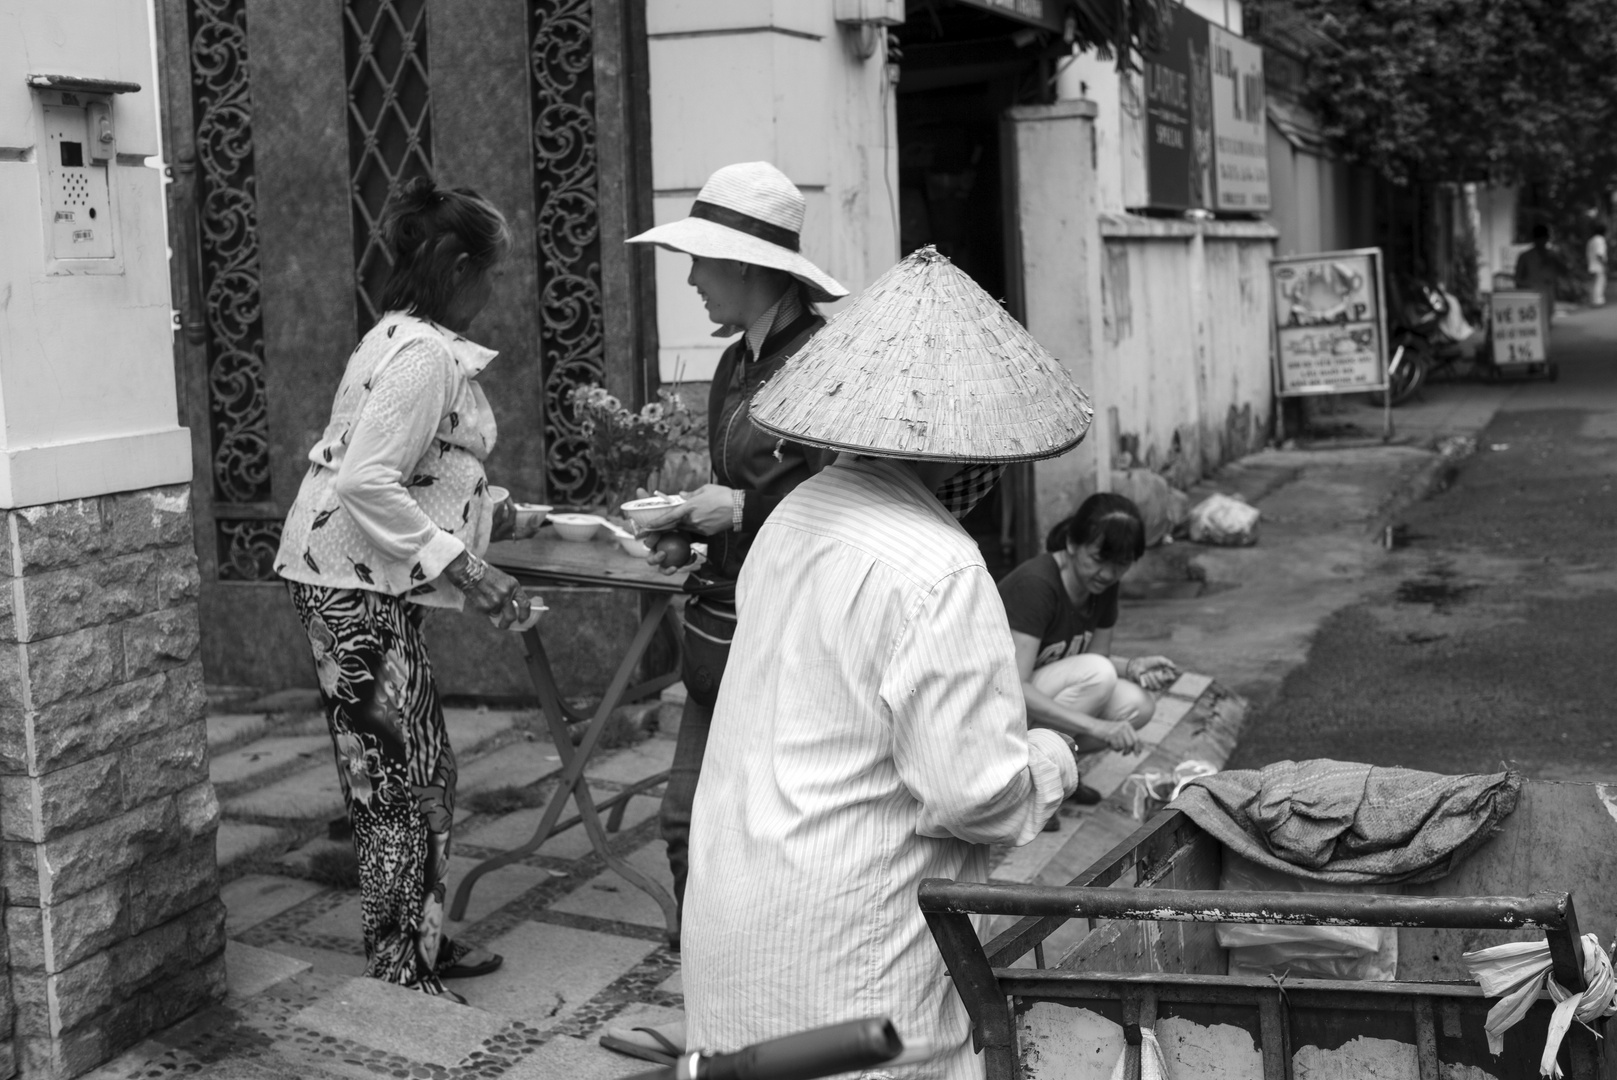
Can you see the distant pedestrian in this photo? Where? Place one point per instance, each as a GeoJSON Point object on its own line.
{"type": "Point", "coordinates": [1062, 606]}
{"type": "Point", "coordinates": [1594, 254]}
{"type": "Point", "coordinates": [870, 730]}
{"type": "Point", "coordinates": [1539, 269]}
{"type": "Point", "coordinates": [392, 518]}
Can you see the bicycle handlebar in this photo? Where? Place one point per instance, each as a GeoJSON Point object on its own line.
{"type": "Point", "coordinates": [826, 1051]}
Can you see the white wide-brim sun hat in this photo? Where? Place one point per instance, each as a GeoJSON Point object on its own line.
{"type": "Point", "coordinates": [751, 213]}
{"type": "Point", "coordinates": [925, 365]}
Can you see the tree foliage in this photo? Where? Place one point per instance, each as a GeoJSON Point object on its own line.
{"type": "Point", "coordinates": [1504, 91]}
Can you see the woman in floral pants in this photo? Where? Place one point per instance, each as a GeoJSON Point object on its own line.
{"type": "Point", "coordinates": [391, 518]}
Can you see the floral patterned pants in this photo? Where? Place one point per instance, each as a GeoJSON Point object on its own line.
{"type": "Point", "coordinates": [396, 768]}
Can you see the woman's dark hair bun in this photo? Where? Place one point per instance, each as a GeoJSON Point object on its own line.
{"type": "Point", "coordinates": [403, 224]}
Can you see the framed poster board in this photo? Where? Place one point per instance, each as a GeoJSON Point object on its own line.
{"type": "Point", "coordinates": [1520, 325]}
{"type": "Point", "coordinates": [1330, 326]}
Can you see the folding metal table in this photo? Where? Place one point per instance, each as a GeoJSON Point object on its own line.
{"type": "Point", "coordinates": [547, 560]}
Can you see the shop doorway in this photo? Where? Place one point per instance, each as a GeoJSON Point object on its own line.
{"type": "Point", "coordinates": [962, 67]}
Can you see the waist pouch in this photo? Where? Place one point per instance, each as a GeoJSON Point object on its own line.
{"type": "Point", "coordinates": [709, 627]}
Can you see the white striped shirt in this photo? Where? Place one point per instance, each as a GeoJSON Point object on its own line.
{"type": "Point", "coordinates": [870, 732]}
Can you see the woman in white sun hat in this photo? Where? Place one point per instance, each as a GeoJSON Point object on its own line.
{"type": "Point", "coordinates": [744, 238]}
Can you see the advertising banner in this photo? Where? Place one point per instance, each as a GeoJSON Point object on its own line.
{"type": "Point", "coordinates": [1330, 329]}
{"type": "Point", "coordinates": [1519, 327]}
{"type": "Point", "coordinates": [1179, 117]}
{"type": "Point", "coordinates": [1240, 120]}
{"type": "Point", "coordinates": [1205, 122]}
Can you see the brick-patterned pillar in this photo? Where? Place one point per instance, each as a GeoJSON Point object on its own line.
{"type": "Point", "coordinates": [107, 817]}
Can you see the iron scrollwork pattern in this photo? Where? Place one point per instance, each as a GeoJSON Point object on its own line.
{"type": "Point", "coordinates": [567, 229]}
{"type": "Point", "coordinates": [228, 241]}
{"type": "Point", "coordinates": [389, 126]}
{"type": "Point", "coordinates": [247, 549]}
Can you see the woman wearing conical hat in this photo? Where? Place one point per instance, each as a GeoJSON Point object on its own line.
{"type": "Point", "coordinates": [871, 731]}
{"type": "Point", "coordinates": [743, 235]}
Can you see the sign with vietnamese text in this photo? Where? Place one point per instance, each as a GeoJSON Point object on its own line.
{"type": "Point", "coordinates": [1179, 116]}
{"type": "Point", "coordinates": [1520, 327]}
{"type": "Point", "coordinates": [1240, 123]}
{"type": "Point", "coordinates": [1206, 125]}
{"type": "Point", "coordinates": [1330, 331]}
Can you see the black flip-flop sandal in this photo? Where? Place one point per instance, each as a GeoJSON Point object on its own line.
{"type": "Point", "coordinates": [450, 955]}
{"type": "Point", "coordinates": [668, 1054]}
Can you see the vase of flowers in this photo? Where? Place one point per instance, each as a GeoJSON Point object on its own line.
{"type": "Point", "coordinates": [628, 448]}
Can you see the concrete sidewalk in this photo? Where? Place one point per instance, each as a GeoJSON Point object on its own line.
{"type": "Point", "coordinates": [583, 948]}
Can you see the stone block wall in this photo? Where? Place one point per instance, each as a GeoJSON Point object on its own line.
{"type": "Point", "coordinates": [107, 816]}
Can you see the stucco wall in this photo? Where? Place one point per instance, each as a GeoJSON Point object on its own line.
{"type": "Point", "coordinates": [1185, 356]}
{"type": "Point", "coordinates": [769, 80]}
{"type": "Point", "coordinates": [88, 398]}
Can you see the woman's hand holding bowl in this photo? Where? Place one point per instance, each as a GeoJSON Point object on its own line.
{"type": "Point", "coordinates": [710, 509]}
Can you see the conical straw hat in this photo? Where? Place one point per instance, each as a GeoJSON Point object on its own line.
{"type": "Point", "coordinates": [924, 364]}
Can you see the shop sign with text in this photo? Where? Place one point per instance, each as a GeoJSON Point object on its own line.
{"type": "Point", "coordinates": [1205, 124]}
{"type": "Point", "coordinates": [1330, 330]}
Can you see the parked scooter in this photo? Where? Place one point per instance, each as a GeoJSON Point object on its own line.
{"type": "Point", "coordinates": [1425, 336]}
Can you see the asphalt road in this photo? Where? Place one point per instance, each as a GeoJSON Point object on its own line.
{"type": "Point", "coordinates": [1491, 636]}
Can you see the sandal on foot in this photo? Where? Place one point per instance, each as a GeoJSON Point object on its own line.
{"type": "Point", "coordinates": [453, 957]}
{"type": "Point", "coordinates": [662, 1043]}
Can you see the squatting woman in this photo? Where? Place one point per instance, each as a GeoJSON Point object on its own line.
{"type": "Point", "coordinates": [1062, 607]}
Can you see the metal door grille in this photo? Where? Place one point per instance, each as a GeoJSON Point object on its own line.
{"type": "Point", "coordinates": [567, 230]}
{"type": "Point", "coordinates": [227, 240]}
{"type": "Point", "coordinates": [389, 126]}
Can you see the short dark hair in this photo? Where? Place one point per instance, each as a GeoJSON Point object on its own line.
{"type": "Point", "coordinates": [1600, 228]}
{"type": "Point", "coordinates": [426, 229]}
{"type": "Point", "coordinates": [1111, 520]}
{"type": "Point", "coordinates": [1541, 233]}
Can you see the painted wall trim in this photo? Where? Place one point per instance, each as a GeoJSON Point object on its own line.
{"type": "Point", "coordinates": [36, 475]}
{"type": "Point", "coordinates": [730, 31]}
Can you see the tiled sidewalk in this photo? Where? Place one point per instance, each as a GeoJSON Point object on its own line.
{"type": "Point", "coordinates": [582, 947]}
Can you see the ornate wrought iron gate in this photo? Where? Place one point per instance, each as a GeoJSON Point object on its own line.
{"type": "Point", "coordinates": [287, 127]}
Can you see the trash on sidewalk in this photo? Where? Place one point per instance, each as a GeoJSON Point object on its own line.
{"type": "Point", "coordinates": [1163, 507]}
{"type": "Point", "coordinates": [1224, 520]}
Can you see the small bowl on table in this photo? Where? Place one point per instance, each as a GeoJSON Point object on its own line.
{"type": "Point", "coordinates": [655, 513]}
{"type": "Point", "coordinates": [529, 518]}
{"type": "Point", "coordinates": [579, 528]}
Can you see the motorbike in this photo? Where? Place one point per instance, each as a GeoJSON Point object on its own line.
{"type": "Point", "coordinates": [1424, 338]}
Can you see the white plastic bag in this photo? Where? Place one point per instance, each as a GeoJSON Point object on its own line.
{"type": "Point", "coordinates": [1308, 952]}
{"type": "Point", "coordinates": [1224, 520]}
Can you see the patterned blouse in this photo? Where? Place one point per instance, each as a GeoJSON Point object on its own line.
{"type": "Point", "coordinates": [395, 489]}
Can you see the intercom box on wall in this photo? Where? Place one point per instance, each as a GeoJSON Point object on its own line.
{"type": "Point", "coordinates": [77, 153]}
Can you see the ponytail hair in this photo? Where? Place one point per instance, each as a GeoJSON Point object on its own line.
{"type": "Point", "coordinates": [426, 229]}
{"type": "Point", "coordinates": [1111, 520]}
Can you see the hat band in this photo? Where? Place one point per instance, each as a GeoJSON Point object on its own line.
{"type": "Point", "coordinates": [746, 223]}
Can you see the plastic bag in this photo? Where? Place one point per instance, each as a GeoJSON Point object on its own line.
{"type": "Point", "coordinates": [1309, 952]}
{"type": "Point", "coordinates": [1149, 790]}
{"type": "Point", "coordinates": [1224, 520]}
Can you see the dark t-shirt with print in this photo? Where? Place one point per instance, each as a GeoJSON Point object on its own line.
{"type": "Point", "coordinates": [1038, 605]}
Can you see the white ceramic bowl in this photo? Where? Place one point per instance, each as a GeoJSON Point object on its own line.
{"type": "Point", "coordinates": [634, 547]}
{"type": "Point", "coordinates": [576, 527]}
{"type": "Point", "coordinates": [655, 512]}
{"type": "Point", "coordinates": [529, 518]}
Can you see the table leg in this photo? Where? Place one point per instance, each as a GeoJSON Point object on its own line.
{"type": "Point", "coordinates": [573, 763]}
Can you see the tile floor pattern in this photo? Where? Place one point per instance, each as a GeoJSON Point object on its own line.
{"type": "Point", "coordinates": [583, 948]}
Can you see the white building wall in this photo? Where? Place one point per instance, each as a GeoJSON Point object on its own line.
{"type": "Point", "coordinates": [792, 92]}
{"type": "Point", "coordinates": [87, 393]}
